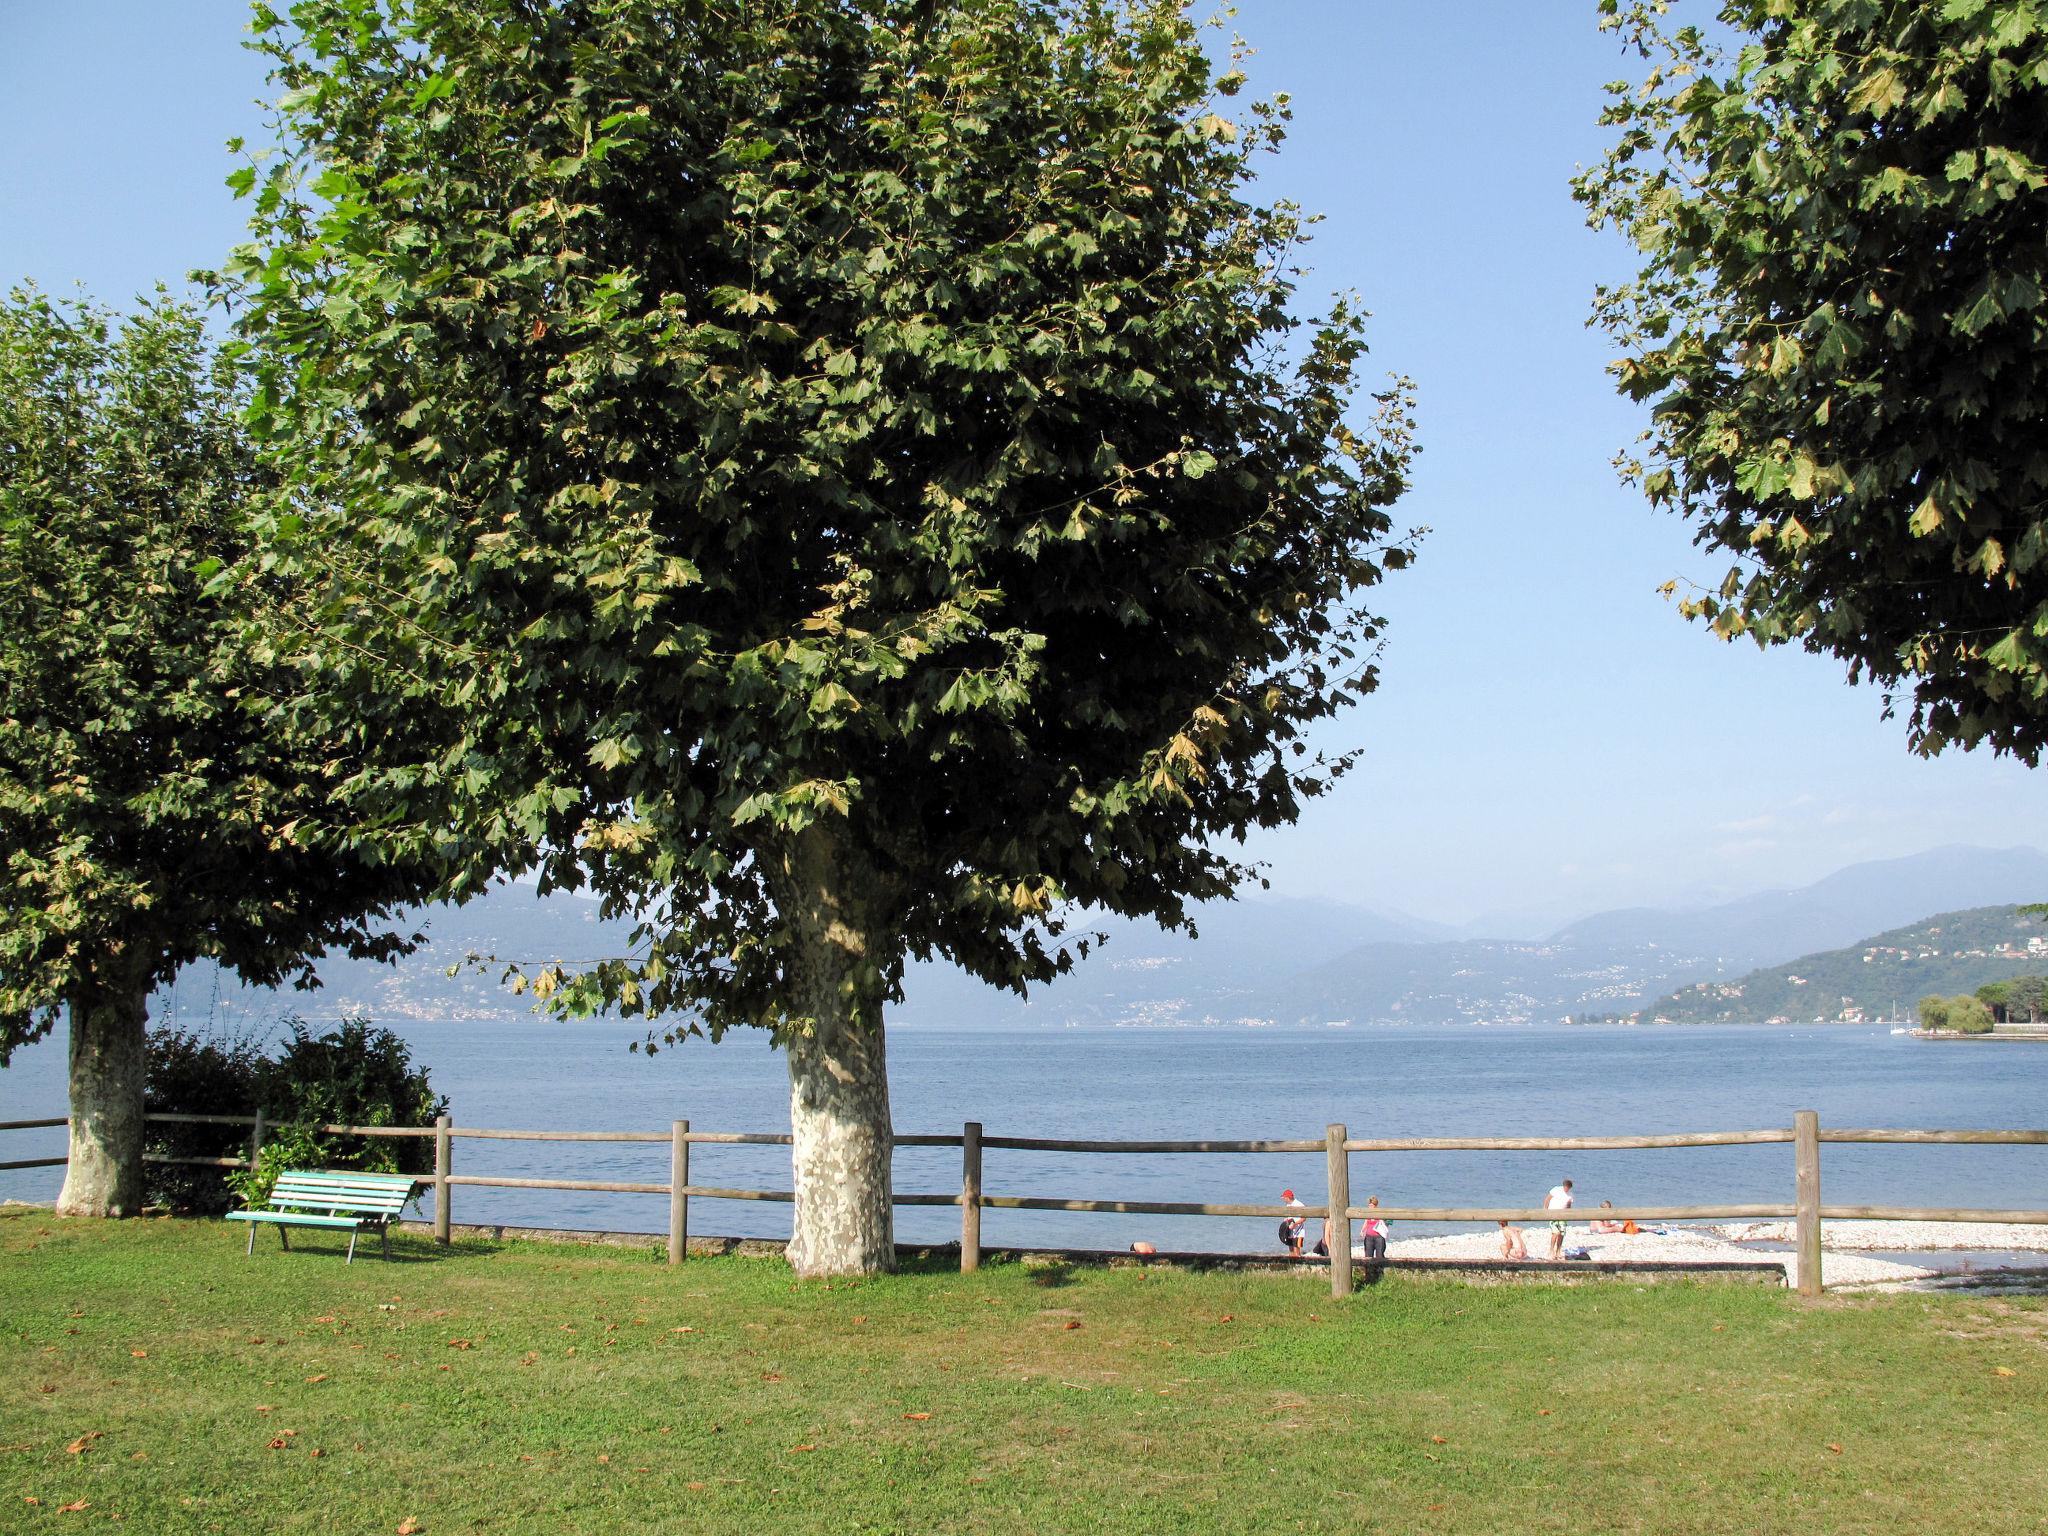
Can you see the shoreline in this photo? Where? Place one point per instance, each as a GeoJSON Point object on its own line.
{"type": "Point", "coordinates": [1848, 1246]}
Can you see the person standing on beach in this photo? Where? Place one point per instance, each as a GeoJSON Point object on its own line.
{"type": "Point", "coordinates": [1292, 1227]}
{"type": "Point", "coordinates": [1559, 1199]}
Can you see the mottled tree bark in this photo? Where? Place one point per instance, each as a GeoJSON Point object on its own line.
{"type": "Point", "coordinates": [108, 1066]}
{"type": "Point", "coordinates": [840, 1145]}
{"type": "Point", "coordinates": [840, 1133]}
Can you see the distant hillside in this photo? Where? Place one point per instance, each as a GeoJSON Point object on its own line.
{"type": "Point", "coordinates": [1840, 910]}
{"type": "Point", "coordinates": [1953, 952]}
{"type": "Point", "coordinates": [1264, 958]}
{"type": "Point", "coordinates": [513, 922]}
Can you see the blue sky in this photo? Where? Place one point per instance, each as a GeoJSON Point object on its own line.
{"type": "Point", "coordinates": [1550, 737]}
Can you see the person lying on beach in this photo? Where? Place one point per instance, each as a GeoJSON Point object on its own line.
{"type": "Point", "coordinates": [1604, 1223]}
{"type": "Point", "coordinates": [1511, 1244]}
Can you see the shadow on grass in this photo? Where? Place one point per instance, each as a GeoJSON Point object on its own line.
{"type": "Point", "coordinates": [404, 1250]}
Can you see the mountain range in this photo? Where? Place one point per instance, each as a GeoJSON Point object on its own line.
{"type": "Point", "coordinates": [1259, 960]}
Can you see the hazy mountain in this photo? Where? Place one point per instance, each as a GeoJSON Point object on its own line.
{"type": "Point", "coordinates": [1244, 951]}
{"type": "Point", "coordinates": [513, 922]}
{"type": "Point", "coordinates": [1875, 977]}
{"type": "Point", "coordinates": [1261, 958]}
{"type": "Point", "coordinates": [1862, 899]}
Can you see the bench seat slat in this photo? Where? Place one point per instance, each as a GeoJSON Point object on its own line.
{"type": "Point", "coordinates": [294, 1218]}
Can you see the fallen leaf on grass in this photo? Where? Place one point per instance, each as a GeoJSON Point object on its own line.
{"type": "Point", "coordinates": [140, 1456]}
{"type": "Point", "coordinates": [408, 1526]}
{"type": "Point", "coordinates": [316, 1451]}
{"type": "Point", "coordinates": [140, 1354]}
{"type": "Point", "coordinates": [29, 1498]}
{"type": "Point", "coordinates": [73, 1507]}
{"type": "Point", "coordinates": [860, 1319]}
{"type": "Point", "coordinates": [682, 1330]}
{"type": "Point", "coordinates": [2003, 1370]}
{"type": "Point", "coordinates": [1228, 1317]}
{"type": "Point", "coordinates": [795, 1449]}
{"type": "Point", "coordinates": [696, 1487]}
{"type": "Point", "coordinates": [920, 1417]}
{"type": "Point", "coordinates": [48, 1386]}
{"type": "Point", "coordinates": [605, 1458]}
{"type": "Point", "coordinates": [1070, 1324]}
{"type": "Point", "coordinates": [310, 1380]}
{"type": "Point", "coordinates": [1834, 1449]}
{"type": "Point", "coordinates": [461, 1344]}
{"type": "Point", "coordinates": [79, 1446]}
{"type": "Point", "coordinates": [1437, 1440]}
{"type": "Point", "coordinates": [266, 1408]}
{"type": "Point", "coordinates": [327, 1319]}
{"type": "Point", "coordinates": [280, 1443]}
{"type": "Point", "coordinates": [771, 1375]}
{"type": "Point", "coordinates": [1542, 1413]}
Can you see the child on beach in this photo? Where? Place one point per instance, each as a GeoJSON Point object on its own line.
{"type": "Point", "coordinates": [1293, 1226]}
{"type": "Point", "coordinates": [1558, 1200]}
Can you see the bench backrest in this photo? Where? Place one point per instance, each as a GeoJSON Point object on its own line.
{"type": "Point", "coordinates": [366, 1194]}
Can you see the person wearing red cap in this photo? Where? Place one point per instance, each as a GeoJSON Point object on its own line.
{"type": "Point", "coordinates": [1292, 1227]}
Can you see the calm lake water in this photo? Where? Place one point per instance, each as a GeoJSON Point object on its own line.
{"type": "Point", "coordinates": [1227, 1083]}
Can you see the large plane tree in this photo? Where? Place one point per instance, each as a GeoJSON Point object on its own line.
{"type": "Point", "coordinates": [846, 471]}
{"type": "Point", "coordinates": [1841, 326]}
{"type": "Point", "coordinates": [160, 800]}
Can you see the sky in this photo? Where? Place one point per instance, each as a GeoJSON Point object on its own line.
{"type": "Point", "coordinates": [1550, 737]}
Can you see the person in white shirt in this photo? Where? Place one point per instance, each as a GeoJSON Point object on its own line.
{"type": "Point", "coordinates": [1559, 1199]}
{"type": "Point", "coordinates": [1292, 1228]}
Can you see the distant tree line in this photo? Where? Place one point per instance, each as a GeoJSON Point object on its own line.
{"type": "Point", "coordinates": [2017, 1000]}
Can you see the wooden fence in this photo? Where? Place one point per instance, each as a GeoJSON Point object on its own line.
{"type": "Point", "coordinates": [1805, 1209]}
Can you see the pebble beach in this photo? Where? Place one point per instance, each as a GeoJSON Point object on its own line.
{"type": "Point", "coordinates": [1847, 1265]}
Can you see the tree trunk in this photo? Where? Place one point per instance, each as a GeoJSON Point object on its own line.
{"type": "Point", "coordinates": [108, 1062]}
{"type": "Point", "coordinates": [840, 1145]}
{"type": "Point", "coordinates": [840, 1135]}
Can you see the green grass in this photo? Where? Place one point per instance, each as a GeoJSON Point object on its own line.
{"type": "Point", "coordinates": [582, 1390]}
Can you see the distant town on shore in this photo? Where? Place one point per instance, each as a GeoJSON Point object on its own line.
{"type": "Point", "coordinates": [1861, 946]}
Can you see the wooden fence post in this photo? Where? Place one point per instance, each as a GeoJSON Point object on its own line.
{"type": "Point", "coordinates": [970, 1197]}
{"type": "Point", "coordinates": [1339, 1226]}
{"type": "Point", "coordinates": [256, 1142]}
{"type": "Point", "coordinates": [678, 1202]}
{"type": "Point", "coordinates": [441, 1162]}
{"type": "Point", "coordinates": [1806, 1177]}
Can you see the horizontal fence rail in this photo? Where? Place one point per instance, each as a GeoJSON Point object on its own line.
{"type": "Point", "coordinates": [1805, 1211]}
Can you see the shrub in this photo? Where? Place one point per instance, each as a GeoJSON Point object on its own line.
{"type": "Point", "coordinates": [1967, 1016]}
{"type": "Point", "coordinates": [354, 1074]}
{"type": "Point", "coordinates": [193, 1074]}
{"type": "Point", "coordinates": [1934, 1012]}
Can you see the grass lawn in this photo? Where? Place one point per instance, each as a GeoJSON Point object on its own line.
{"type": "Point", "coordinates": [153, 1375]}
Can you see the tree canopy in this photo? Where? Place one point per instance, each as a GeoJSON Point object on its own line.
{"type": "Point", "coordinates": [846, 471]}
{"type": "Point", "coordinates": [155, 806]}
{"type": "Point", "coordinates": [1841, 325]}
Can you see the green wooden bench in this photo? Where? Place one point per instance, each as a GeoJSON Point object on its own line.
{"type": "Point", "coordinates": [304, 1198]}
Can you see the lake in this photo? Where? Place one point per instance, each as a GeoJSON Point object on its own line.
{"type": "Point", "coordinates": [1226, 1083]}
